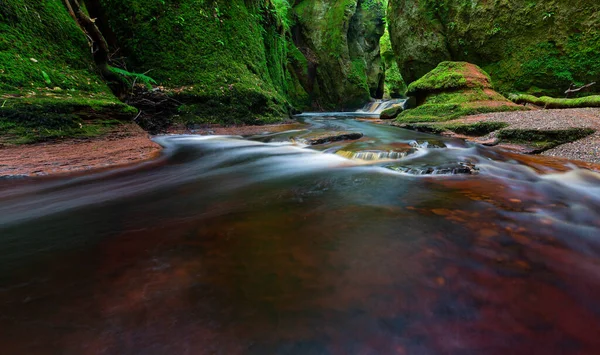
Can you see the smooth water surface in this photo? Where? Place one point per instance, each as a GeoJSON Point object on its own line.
{"type": "Point", "coordinates": [256, 246]}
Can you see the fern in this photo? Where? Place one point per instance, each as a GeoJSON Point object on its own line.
{"type": "Point", "coordinates": [142, 78]}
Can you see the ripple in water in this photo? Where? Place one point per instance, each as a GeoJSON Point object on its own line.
{"type": "Point", "coordinates": [237, 246]}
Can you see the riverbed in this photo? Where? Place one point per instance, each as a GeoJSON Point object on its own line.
{"type": "Point", "coordinates": [397, 242]}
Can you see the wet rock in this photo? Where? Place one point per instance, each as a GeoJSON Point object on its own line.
{"type": "Point", "coordinates": [391, 112]}
{"type": "Point", "coordinates": [315, 138]}
{"type": "Point", "coordinates": [429, 144]}
{"type": "Point", "coordinates": [462, 168]}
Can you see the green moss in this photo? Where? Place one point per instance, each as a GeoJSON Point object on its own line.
{"type": "Point", "coordinates": [49, 87]}
{"type": "Point", "coordinates": [37, 119]}
{"type": "Point", "coordinates": [41, 46]}
{"type": "Point", "coordinates": [446, 112]}
{"type": "Point", "coordinates": [550, 67]}
{"type": "Point", "coordinates": [391, 112]}
{"type": "Point", "coordinates": [522, 44]}
{"type": "Point", "coordinates": [477, 129]}
{"type": "Point", "coordinates": [339, 38]}
{"type": "Point", "coordinates": [451, 105]}
{"type": "Point", "coordinates": [551, 102]}
{"type": "Point", "coordinates": [394, 86]}
{"type": "Point", "coordinates": [218, 56]}
{"type": "Point", "coordinates": [543, 139]}
{"type": "Point", "coordinates": [449, 76]}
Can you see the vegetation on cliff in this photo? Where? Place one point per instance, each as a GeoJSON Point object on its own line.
{"type": "Point", "coordinates": [526, 46]}
{"type": "Point", "coordinates": [49, 86]}
{"type": "Point", "coordinates": [340, 40]}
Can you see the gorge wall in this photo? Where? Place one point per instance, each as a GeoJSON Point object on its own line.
{"type": "Point", "coordinates": [250, 61]}
{"type": "Point", "coordinates": [534, 46]}
{"type": "Point", "coordinates": [228, 62]}
{"type": "Point", "coordinates": [340, 41]}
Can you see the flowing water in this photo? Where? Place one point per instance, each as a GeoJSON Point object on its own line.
{"type": "Point", "coordinates": [396, 243]}
{"type": "Point", "coordinates": [378, 106]}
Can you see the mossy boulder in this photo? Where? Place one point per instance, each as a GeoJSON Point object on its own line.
{"type": "Point", "coordinates": [49, 86]}
{"type": "Point", "coordinates": [449, 76]}
{"type": "Point", "coordinates": [391, 112]}
{"type": "Point", "coordinates": [340, 42]}
{"type": "Point", "coordinates": [452, 90]}
{"type": "Point", "coordinates": [526, 46]}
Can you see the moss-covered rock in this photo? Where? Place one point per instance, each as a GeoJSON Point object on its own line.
{"type": "Point", "coordinates": [226, 61]}
{"type": "Point", "coordinates": [391, 112]}
{"type": "Point", "coordinates": [56, 115]}
{"type": "Point", "coordinates": [340, 40]}
{"type": "Point", "coordinates": [526, 46]}
{"type": "Point", "coordinates": [49, 87]}
{"type": "Point", "coordinates": [452, 90]}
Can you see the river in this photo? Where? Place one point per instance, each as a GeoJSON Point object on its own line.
{"type": "Point", "coordinates": [228, 245]}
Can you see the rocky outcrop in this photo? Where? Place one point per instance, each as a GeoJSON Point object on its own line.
{"type": "Point", "coordinates": [452, 90]}
{"type": "Point", "coordinates": [340, 43]}
{"type": "Point", "coordinates": [540, 47]}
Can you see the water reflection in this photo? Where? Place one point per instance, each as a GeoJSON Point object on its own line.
{"type": "Point", "coordinates": [239, 246]}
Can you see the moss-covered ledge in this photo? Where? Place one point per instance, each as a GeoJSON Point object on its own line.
{"type": "Point", "coordinates": [49, 86]}
{"type": "Point", "coordinates": [556, 103]}
{"type": "Point", "coordinates": [32, 119]}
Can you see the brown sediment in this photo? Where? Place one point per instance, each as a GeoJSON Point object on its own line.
{"type": "Point", "coordinates": [126, 144]}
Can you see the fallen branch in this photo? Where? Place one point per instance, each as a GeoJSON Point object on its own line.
{"type": "Point", "coordinates": [572, 89]}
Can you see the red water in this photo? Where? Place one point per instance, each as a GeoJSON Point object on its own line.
{"type": "Point", "coordinates": [293, 253]}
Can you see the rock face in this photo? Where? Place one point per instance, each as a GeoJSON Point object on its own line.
{"type": "Point", "coordinates": [226, 60]}
{"type": "Point", "coordinates": [535, 46]}
{"type": "Point", "coordinates": [49, 85]}
{"type": "Point", "coordinates": [394, 87]}
{"type": "Point", "coordinates": [451, 90]}
{"type": "Point", "coordinates": [339, 40]}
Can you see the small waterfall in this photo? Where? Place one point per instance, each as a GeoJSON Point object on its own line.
{"type": "Point", "coordinates": [378, 106]}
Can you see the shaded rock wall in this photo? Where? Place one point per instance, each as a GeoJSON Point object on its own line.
{"type": "Point", "coordinates": [535, 46]}
{"type": "Point", "coordinates": [340, 41]}
{"type": "Point", "coordinates": [227, 61]}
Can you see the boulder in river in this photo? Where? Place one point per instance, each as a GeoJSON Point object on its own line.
{"type": "Point", "coordinates": [315, 138]}
{"type": "Point", "coordinates": [391, 112]}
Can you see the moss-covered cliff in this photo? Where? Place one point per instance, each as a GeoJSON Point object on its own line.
{"type": "Point", "coordinates": [225, 60]}
{"type": "Point", "coordinates": [49, 87]}
{"type": "Point", "coordinates": [536, 46]}
{"type": "Point", "coordinates": [339, 40]}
